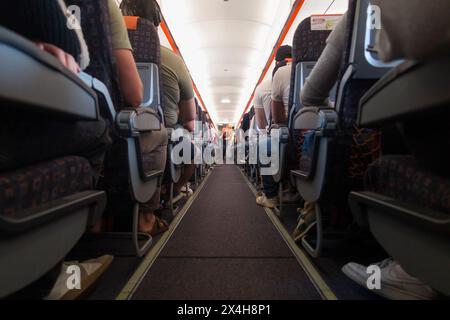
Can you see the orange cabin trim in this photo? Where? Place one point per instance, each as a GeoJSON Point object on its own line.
{"type": "Point", "coordinates": [131, 22]}
{"type": "Point", "coordinates": [287, 26]}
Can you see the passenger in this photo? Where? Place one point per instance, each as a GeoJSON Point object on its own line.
{"type": "Point", "coordinates": [316, 92]}
{"type": "Point", "coordinates": [398, 39]}
{"type": "Point", "coordinates": [44, 23]}
{"type": "Point", "coordinates": [130, 82]}
{"type": "Point", "coordinates": [178, 99]}
{"type": "Point", "coordinates": [67, 46]}
{"type": "Point", "coordinates": [318, 85]}
{"type": "Point", "coordinates": [263, 93]}
{"type": "Point", "coordinates": [153, 145]}
{"type": "Point", "coordinates": [263, 102]}
{"type": "Point", "coordinates": [281, 83]}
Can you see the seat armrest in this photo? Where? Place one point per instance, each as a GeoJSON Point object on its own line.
{"type": "Point", "coordinates": [283, 132]}
{"type": "Point", "coordinates": [36, 81]}
{"type": "Point", "coordinates": [316, 118]}
{"type": "Point", "coordinates": [131, 122]}
{"type": "Point", "coordinates": [95, 200]}
{"type": "Point", "coordinates": [410, 90]}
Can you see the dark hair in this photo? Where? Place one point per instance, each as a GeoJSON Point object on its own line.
{"type": "Point", "coordinates": [283, 52]}
{"type": "Point", "coordinates": [147, 9]}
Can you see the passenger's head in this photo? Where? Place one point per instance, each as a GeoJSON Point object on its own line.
{"type": "Point", "coordinates": [283, 53]}
{"type": "Point", "coordinates": [147, 9]}
{"type": "Point", "coordinates": [282, 57]}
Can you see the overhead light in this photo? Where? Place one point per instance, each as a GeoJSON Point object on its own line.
{"type": "Point", "coordinates": [225, 101]}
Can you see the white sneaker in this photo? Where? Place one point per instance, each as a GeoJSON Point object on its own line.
{"type": "Point", "coordinates": [396, 284]}
{"type": "Point", "coordinates": [187, 190]}
{"type": "Point", "coordinates": [271, 203]}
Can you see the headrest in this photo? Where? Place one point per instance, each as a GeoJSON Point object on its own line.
{"type": "Point", "coordinates": [308, 43]}
{"type": "Point", "coordinates": [131, 22]}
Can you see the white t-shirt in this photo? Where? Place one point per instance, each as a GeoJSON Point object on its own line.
{"type": "Point", "coordinates": [263, 98]}
{"type": "Point", "coordinates": [281, 84]}
{"type": "Point", "coordinates": [253, 124]}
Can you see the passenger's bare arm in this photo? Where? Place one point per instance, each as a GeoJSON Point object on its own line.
{"type": "Point", "coordinates": [187, 114]}
{"type": "Point", "coordinates": [278, 113]}
{"type": "Point", "coordinates": [129, 80]}
{"type": "Point", "coordinates": [260, 118]}
{"type": "Point", "coordinates": [66, 59]}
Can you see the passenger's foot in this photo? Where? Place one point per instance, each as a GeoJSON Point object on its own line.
{"type": "Point", "coordinates": [270, 203]}
{"type": "Point", "coordinates": [187, 190]}
{"type": "Point", "coordinates": [151, 224]}
{"type": "Point", "coordinates": [396, 284]}
{"type": "Point", "coordinates": [90, 273]}
{"type": "Point", "coordinates": [306, 221]}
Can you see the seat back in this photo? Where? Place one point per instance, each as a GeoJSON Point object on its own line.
{"type": "Point", "coordinates": [337, 152]}
{"type": "Point", "coordinates": [125, 168]}
{"type": "Point", "coordinates": [96, 26]}
{"type": "Point", "coordinates": [46, 202]}
{"type": "Point", "coordinates": [356, 147]}
{"type": "Point", "coordinates": [307, 47]}
{"type": "Point", "coordinates": [147, 54]}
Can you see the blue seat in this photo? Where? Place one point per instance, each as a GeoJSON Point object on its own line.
{"type": "Point", "coordinates": [406, 199]}
{"type": "Point", "coordinates": [127, 180]}
{"type": "Point", "coordinates": [337, 152]}
{"type": "Point", "coordinates": [45, 207]}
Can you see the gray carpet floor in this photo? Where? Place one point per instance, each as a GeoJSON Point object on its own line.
{"type": "Point", "coordinates": [226, 248]}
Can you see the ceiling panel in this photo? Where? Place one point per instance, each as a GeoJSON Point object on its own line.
{"type": "Point", "coordinates": [227, 43]}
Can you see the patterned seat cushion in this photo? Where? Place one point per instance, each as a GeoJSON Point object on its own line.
{"type": "Point", "coordinates": [145, 42]}
{"type": "Point", "coordinates": [29, 188]}
{"type": "Point", "coordinates": [307, 46]}
{"type": "Point", "coordinates": [401, 178]}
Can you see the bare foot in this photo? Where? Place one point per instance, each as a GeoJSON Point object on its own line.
{"type": "Point", "coordinates": [146, 222]}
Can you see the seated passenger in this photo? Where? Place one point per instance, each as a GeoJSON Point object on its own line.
{"type": "Point", "coordinates": [129, 80]}
{"type": "Point", "coordinates": [263, 102]}
{"type": "Point", "coordinates": [153, 145]}
{"type": "Point", "coordinates": [398, 39]}
{"type": "Point", "coordinates": [178, 100]}
{"type": "Point", "coordinates": [51, 35]}
{"type": "Point", "coordinates": [316, 92]}
{"type": "Point", "coordinates": [279, 99]}
{"type": "Point", "coordinates": [39, 139]}
{"type": "Point", "coordinates": [281, 84]}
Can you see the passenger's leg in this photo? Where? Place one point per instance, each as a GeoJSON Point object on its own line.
{"type": "Point", "coordinates": [154, 155]}
{"type": "Point", "coordinates": [270, 187]}
{"type": "Point", "coordinates": [188, 170]}
{"type": "Point", "coordinates": [35, 139]}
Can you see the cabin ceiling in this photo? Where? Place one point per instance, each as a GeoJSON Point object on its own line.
{"type": "Point", "coordinates": [226, 44]}
{"type": "Point", "coordinates": [223, 44]}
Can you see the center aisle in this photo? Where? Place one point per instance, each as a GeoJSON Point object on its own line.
{"type": "Point", "coordinates": [226, 248]}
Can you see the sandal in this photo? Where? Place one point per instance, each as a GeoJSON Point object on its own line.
{"type": "Point", "coordinates": [160, 226]}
